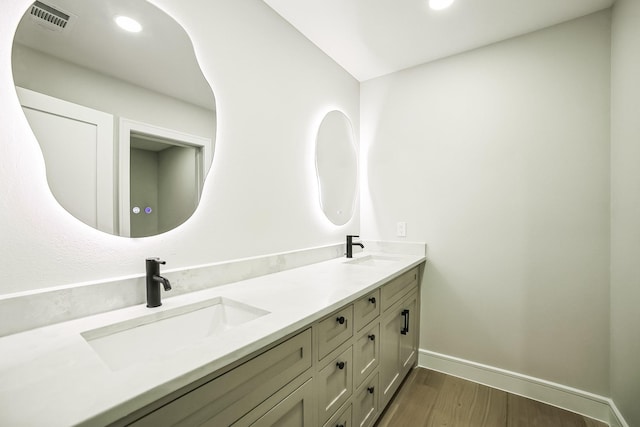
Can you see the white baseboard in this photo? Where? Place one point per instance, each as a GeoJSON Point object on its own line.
{"type": "Point", "coordinates": [582, 402]}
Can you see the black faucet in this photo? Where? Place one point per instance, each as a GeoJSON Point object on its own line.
{"type": "Point", "coordinates": [350, 245]}
{"type": "Point", "coordinates": [153, 282]}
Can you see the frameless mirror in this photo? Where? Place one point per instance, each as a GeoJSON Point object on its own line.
{"type": "Point", "coordinates": [336, 167]}
{"type": "Point", "coordinates": [125, 118]}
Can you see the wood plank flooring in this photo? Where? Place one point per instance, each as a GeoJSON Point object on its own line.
{"type": "Point", "coordinates": [432, 399]}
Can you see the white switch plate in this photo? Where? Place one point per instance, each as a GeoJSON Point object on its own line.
{"type": "Point", "coordinates": [401, 229]}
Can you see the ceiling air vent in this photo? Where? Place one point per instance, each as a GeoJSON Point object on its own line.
{"type": "Point", "coordinates": [49, 17]}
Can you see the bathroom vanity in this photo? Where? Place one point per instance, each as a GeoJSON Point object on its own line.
{"type": "Point", "coordinates": [327, 344]}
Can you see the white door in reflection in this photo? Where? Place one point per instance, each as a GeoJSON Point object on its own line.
{"type": "Point", "coordinates": [77, 146]}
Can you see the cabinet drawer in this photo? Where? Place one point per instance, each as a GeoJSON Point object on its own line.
{"type": "Point", "coordinates": [225, 399]}
{"type": "Point", "coordinates": [366, 309]}
{"type": "Point", "coordinates": [393, 291]}
{"type": "Point", "coordinates": [365, 403]}
{"type": "Point", "coordinates": [335, 384]}
{"type": "Point", "coordinates": [341, 419]}
{"type": "Point", "coordinates": [334, 330]}
{"type": "Point", "coordinates": [366, 353]}
{"type": "Point", "coordinates": [295, 410]}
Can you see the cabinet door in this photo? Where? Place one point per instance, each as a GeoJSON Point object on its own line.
{"type": "Point", "coordinates": [296, 410]}
{"type": "Point", "coordinates": [366, 355]}
{"type": "Point", "coordinates": [409, 335]}
{"type": "Point", "coordinates": [390, 338]}
{"type": "Point", "coordinates": [335, 384]}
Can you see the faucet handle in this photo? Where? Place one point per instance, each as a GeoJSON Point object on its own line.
{"type": "Point", "coordinates": [156, 260]}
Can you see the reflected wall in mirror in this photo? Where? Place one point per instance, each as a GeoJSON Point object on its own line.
{"type": "Point", "coordinates": [337, 167]}
{"type": "Point", "coordinates": [98, 97]}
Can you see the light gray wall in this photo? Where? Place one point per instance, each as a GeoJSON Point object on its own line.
{"type": "Point", "coordinates": [498, 158]}
{"type": "Point", "coordinates": [272, 88]}
{"type": "Point", "coordinates": [625, 209]}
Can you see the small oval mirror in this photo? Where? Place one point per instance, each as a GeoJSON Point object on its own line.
{"type": "Point", "coordinates": [124, 117]}
{"type": "Point", "coordinates": [337, 167]}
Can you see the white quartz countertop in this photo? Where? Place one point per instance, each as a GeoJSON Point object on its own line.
{"type": "Point", "coordinates": [52, 376]}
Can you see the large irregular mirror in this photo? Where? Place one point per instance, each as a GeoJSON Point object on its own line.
{"type": "Point", "coordinates": [124, 116]}
{"type": "Point", "coordinates": [337, 167]}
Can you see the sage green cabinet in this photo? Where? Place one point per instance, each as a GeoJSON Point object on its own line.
{"type": "Point", "coordinates": [398, 345]}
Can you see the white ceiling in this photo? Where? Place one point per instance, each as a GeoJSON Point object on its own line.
{"type": "Point", "coordinates": [370, 38]}
{"type": "Point", "coordinates": [160, 58]}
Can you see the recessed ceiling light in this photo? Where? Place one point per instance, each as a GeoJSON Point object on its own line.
{"type": "Point", "coordinates": [440, 4]}
{"type": "Point", "coordinates": [128, 24]}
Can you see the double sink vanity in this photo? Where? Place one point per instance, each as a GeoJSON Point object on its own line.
{"type": "Point", "coordinates": [326, 344]}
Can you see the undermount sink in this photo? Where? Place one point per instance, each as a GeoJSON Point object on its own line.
{"type": "Point", "coordinates": [148, 337]}
{"type": "Point", "coordinates": [373, 260]}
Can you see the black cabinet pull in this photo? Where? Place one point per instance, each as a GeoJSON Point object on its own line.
{"type": "Point", "coordinates": [339, 425]}
{"type": "Point", "coordinates": [405, 326]}
{"type": "Point", "coordinates": [340, 365]}
{"type": "Point", "coordinates": [340, 320]}
{"type": "Point", "coordinates": [370, 389]}
{"type": "Point", "coordinates": [372, 337]}
{"type": "Point", "coordinates": [372, 300]}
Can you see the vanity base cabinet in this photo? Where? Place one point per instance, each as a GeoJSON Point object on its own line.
{"type": "Point", "coordinates": [340, 371]}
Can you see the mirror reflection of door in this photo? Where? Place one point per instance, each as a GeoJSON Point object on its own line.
{"type": "Point", "coordinates": [160, 177]}
{"type": "Point", "coordinates": [77, 146]}
{"type": "Point", "coordinates": [164, 184]}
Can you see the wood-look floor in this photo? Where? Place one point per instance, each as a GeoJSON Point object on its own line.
{"type": "Point", "coordinates": [432, 399]}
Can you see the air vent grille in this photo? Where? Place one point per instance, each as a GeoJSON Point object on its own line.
{"type": "Point", "coordinates": [48, 16]}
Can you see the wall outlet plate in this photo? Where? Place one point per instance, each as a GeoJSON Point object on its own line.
{"type": "Point", "coordinates": [401, 229]}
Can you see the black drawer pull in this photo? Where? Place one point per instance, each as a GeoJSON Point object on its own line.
{"type": "Point", "coordinates": [340, 320]}
{"type": "Point", "coordinates": [370, 389]}
{"type": "Point", "coordinates": [372, 300]}
{"type": "Point", "coordinates": [339, 425]}
{"type": "Point", "coordinates": [372, 337]}
{"type": "Point", "coordinates": [340, 365]}
{"type": "Point", "coordinates": [405, 326]}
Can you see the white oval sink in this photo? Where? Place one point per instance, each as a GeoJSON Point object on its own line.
{"type": "Point", "coordinates": [144, 338]}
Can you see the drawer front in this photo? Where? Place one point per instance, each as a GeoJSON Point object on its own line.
{"type": "Point", "coordinates": [225, 399]}
{"type": "Point", "coordinates": [393, 291]}
{"type": "Point", "coordinates": [366, 353]}
{"type": "Point", "coordinates": [366, 309]}
{"type": "Point", "coordinates": [341, 419]}
{"type": "Point", "coordinates": [334, 330]}
{"type": "Point", "coordinates": [365, 403]}
{"type": "Point", "coordinates": [335, 384]}
{"type": "Point", "coordinates": [295, 410]}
